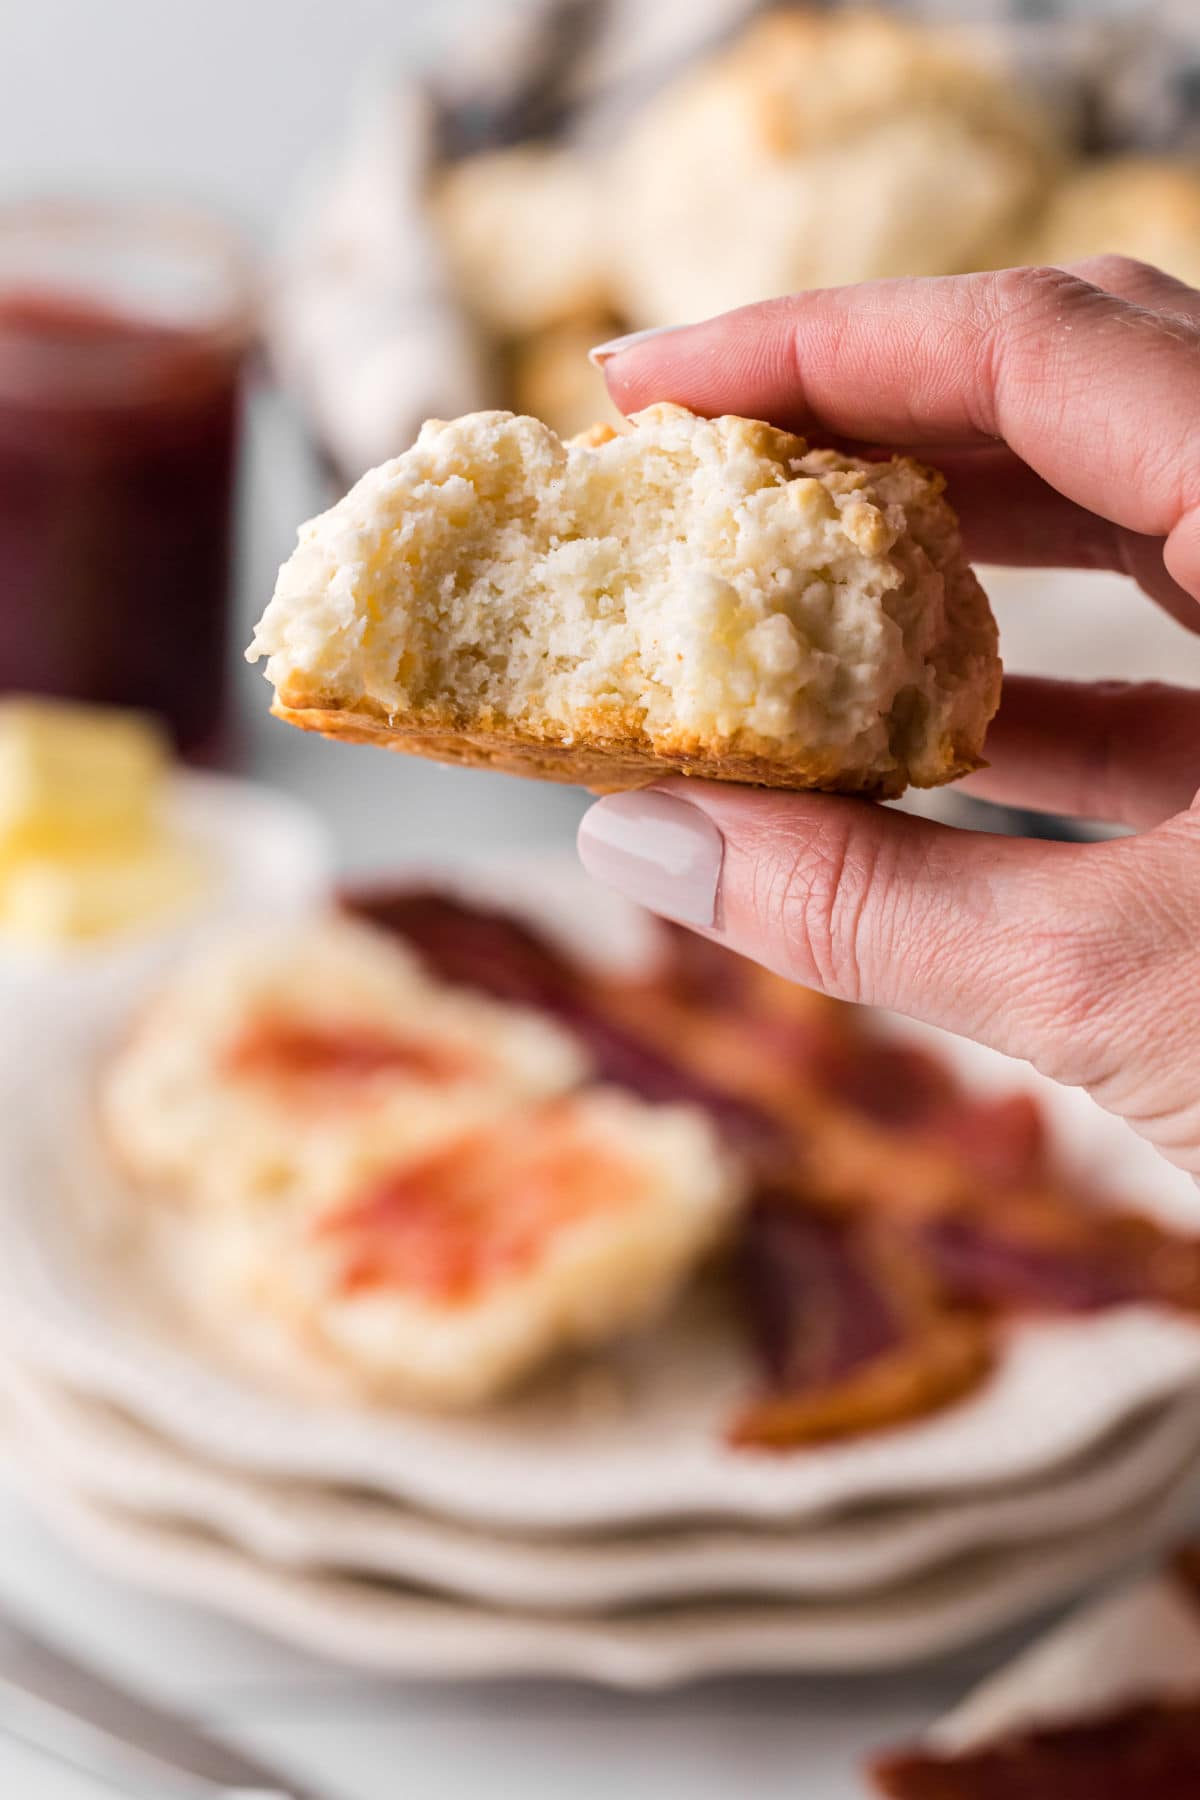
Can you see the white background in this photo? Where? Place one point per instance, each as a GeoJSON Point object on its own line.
{"type": "Point", "coordinates": [223, 99]}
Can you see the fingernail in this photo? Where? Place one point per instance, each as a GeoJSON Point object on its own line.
{"type": "Point", "coordinates": [600, 353]}
{"type": "Point", "coordinates": [657, 849]}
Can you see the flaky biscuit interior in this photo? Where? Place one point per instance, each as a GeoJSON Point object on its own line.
{"type": "Point", "coordinates": [705, 595]}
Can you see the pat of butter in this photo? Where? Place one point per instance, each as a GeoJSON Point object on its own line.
{"type": "Point", "coordinates": [49, 899]}
{"type": "Point", "coordinates": [76, 776]}
{"type": "Point", "coordinates": [83, 849]}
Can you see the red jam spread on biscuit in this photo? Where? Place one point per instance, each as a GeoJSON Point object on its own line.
{"type": "Point", "coordinates": [478, 1210]}
{"type": "Point", "coordinates": [342, 1056]}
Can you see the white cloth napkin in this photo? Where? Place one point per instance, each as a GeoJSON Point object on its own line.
{"type": "Point", "coordinates": [362, 323]}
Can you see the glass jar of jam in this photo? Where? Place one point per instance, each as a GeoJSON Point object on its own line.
{"type": "Point", "coordinates": [123, 331]}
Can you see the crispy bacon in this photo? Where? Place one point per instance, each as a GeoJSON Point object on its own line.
{"type": "Point", "coordinates": [864, 1316]}
{"type": "Point", "coordinates": [915, 1101]}
{"type": "Point", "coordinates": [900, 1218]}
{"type": "Point", "coordinates": [850, 1334]}
{"type": "Point", "coordinates": [817, 1307]}
{"type": "Point", "coordinates": [798, 1031]}
{"type": "Point", "coordinates": [894, 1085]}
{"type": "Point", "coordinates": [1053, 1248]}
{"type": "Point", "coordinates": [1144, 1752]}
{"type": "Point", "coordinates": [703, 973]}
{"type": "Point", "coordinates": [1003, 1143]}
{"type": "Point", "coordinates": [473, 946]}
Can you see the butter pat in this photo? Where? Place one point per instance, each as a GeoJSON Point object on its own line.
{"type": "Point", "coordinates": [52, 899]}
{"type": "Point", "coordinates": [74, 777]}
{"type": "Point", "coordinates": [84, 851]}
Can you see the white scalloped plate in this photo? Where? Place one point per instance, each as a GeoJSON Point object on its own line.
{"type": "Point", "coordinates": [112, 1459]}
{"type": "Point", "coordinates": [550, 1458]}
{"type": "Point", "coordinates": [401, 1631]}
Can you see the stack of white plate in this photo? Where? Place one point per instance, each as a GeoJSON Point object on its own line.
{"type": "Point", "coordinates": [599, 1524]}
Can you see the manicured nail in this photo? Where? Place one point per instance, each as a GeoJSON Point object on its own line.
{"type": "Point", "coordinates": [600, 353]}
{"type": "Point", "coordinates": [657, 849]}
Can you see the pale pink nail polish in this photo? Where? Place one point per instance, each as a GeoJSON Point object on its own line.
{"type": "Point", "coordinates": [657, 849]}
{"type": "Point", "coordinates": [599, 354]}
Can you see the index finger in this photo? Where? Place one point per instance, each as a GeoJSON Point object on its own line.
{"type": "Point", "coordinates": [1098, 395]}
{"type": "Point", "coordinates": [1010, 515]}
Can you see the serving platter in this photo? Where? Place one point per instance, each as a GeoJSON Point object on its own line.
{"type": "Point", "coordinates": [635, 1438]}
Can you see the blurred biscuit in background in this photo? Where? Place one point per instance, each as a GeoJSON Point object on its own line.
{"type": "Point", "coordinates": [1142, 206]}
{"type": "Point", "coordinates": [804, 149]}
{"type": "Point", "coordinates": [345, 1164]}
{"type": "Point", "coordinates": [551, 379]}
{"type": "Point", "coordinates": [523, 232]}
{"type": "Point", "coordinates": [821, 149]}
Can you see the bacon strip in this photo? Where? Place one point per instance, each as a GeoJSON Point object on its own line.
{"type": "Point", "coordinates": [850, 1335]}
{"type": "Point", "coordinates": [473, 946]}
{"type": "Point", "coordinates": [899, 1218]}
{"type": "Point", "coordinates": [1144, 1752]}
{"type": "Point", "coordinates": [1052, 1249]}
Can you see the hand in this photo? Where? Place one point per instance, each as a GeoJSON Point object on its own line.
{"type": "Point", "coordinates": [1065, 408]}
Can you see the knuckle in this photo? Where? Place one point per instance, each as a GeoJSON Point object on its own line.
{"type": "Point", "coordinates": [1065, 1006]}
{"type": "Point", "coordinates": [1071, 978]}
{"type": "Point", "coordinates": [811, 902]}
{"type": "Point", "coordinates": [1093, 972]}
{"type": "Point", "coordinates": [1112, 270]}
{"type": "Point", "coordinates": [1019, 292]}
{"type": "Point", "coordinates": [1015, 307]}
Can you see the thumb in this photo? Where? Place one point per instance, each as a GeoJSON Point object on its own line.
{"type": "Point", "coordinates": [996, 938]}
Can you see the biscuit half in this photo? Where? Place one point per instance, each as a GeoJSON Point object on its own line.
{"type": "Point", "coordinates": [706, 597]}
{"type": "Point", "coordinates": [344, 1170]}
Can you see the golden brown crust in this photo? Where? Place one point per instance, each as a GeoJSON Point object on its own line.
{"type": "Point", "coordinates": [610, 760]}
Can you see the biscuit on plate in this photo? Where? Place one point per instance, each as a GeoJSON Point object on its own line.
{"type": "Point", "coordinates": [343, 1168]}
{"type": "Point", "coordinates": [265, 1069]}
{"type": "Point", "coordinates": [704, 596]}
{"type": "Point", "coordinates": [444, 1279]}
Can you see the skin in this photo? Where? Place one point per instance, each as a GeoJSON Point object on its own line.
{"type": "Point", "coordinates": [1065, 407]}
